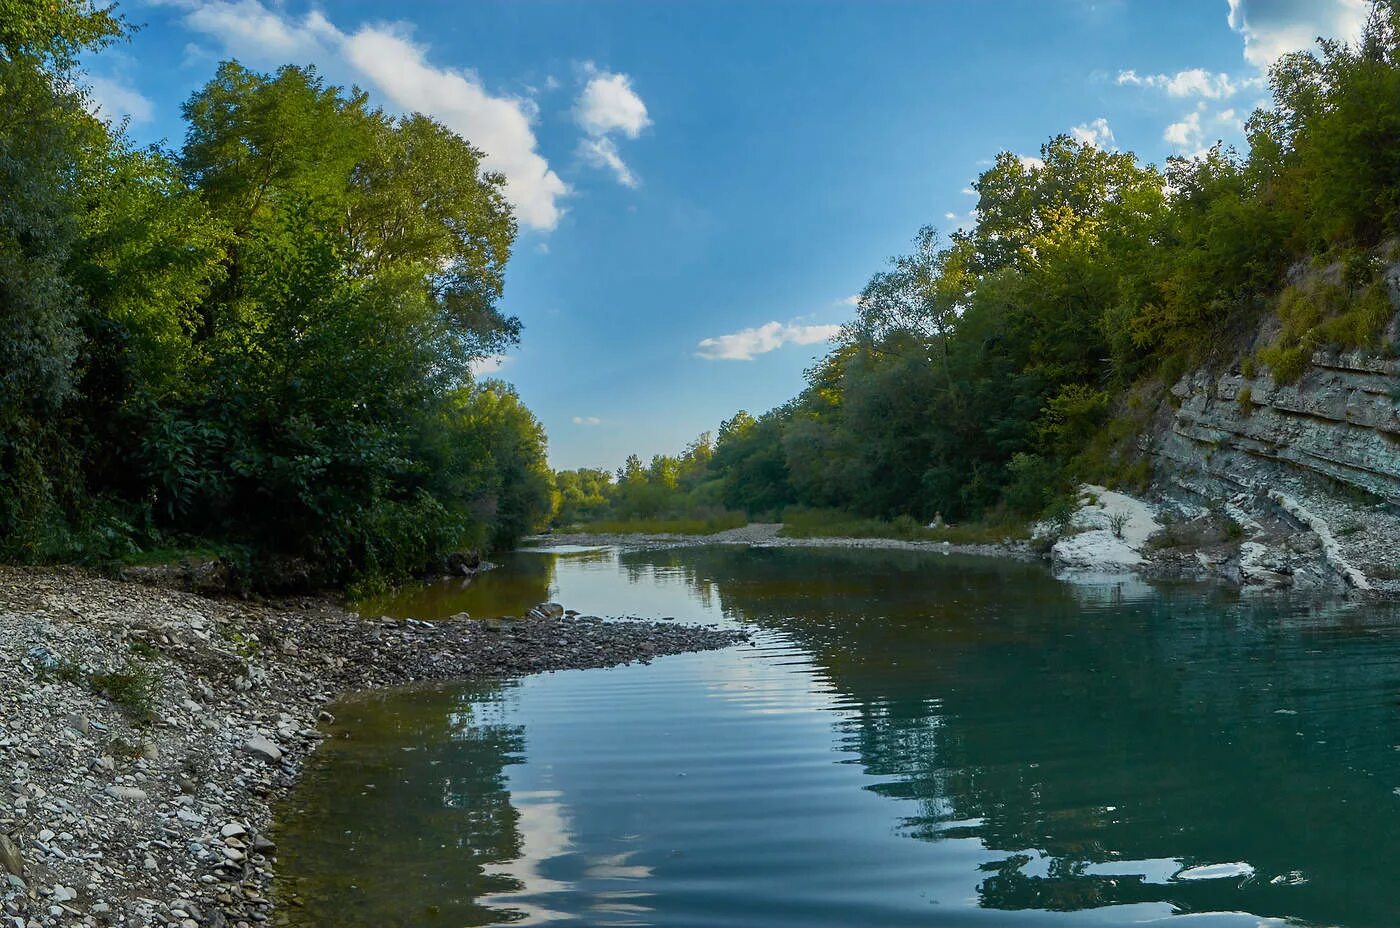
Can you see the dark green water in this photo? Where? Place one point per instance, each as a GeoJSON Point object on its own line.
{"type": "Point", "coordinates": [911, 740]}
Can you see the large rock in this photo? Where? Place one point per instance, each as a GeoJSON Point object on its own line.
{"type": "Point", "coordinates": [10, 858]}
{"type": "Point", "coordinates": [259, 746]}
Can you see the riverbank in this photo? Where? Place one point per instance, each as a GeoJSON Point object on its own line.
{"type": "Point", "coordinates": [146, 732]}
{"type": "Point", "coordinates": [766, 535]}
{"type": "Point", "coordinates": [1309, 542]}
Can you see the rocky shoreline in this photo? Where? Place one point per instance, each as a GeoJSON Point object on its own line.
{"type": "Point", "coordinates": [145, 733]}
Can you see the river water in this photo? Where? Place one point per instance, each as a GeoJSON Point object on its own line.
{"type": "Point", "coordinates": [911, 739]}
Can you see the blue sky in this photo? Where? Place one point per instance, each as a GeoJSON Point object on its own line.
{"type": "Point", "coordinates": [703, 186]}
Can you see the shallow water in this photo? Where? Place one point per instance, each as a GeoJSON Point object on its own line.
{"type": "Point", "coordinates": [911, 740]}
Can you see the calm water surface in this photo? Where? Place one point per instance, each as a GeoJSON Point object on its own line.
{"type": "Point", "coordinates": [911, 740]}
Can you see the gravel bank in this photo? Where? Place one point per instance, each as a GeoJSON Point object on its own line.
{"type": "Point", "coordinates": [765, 535]}
{"type": "Point", "coordinates": [144, 732]}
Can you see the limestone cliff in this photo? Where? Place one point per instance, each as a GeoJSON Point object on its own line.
{"type": "Point", "coordinates": [1306, 475]}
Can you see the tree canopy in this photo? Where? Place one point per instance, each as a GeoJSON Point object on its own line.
{"type": "Point", "coordinates": [263, 339]}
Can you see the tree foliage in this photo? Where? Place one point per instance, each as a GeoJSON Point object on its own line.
{"type": "Point", "coordinates": [264, 338]}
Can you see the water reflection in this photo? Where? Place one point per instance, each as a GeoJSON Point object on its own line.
{"type": "Point", "coordinates": [1033, 750]}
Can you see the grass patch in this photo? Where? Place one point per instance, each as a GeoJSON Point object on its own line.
{"type": "Point", "coordinates": [1326, 315]}
{"type": "Point", "coordinates": [161, 556]}
{"type": "Point", "coordinates": [698, 526]}
{"type": "Point", "coordinates": [832, 523]}
{"type": "Point", "coordinates": [1245, 400]}
{"type": "Point", "coordinates": [132, 688]}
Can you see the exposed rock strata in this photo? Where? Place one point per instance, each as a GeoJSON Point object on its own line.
{"type": "Point", "coordinates": [1310, 471]}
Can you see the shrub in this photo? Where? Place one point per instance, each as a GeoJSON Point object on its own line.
{"type": "Point", "coordinates": [132, 688]}
{"type": "Point", "coordinates": [1286, 364]}
{"type": "Point", "coordinates": [1245, 400]}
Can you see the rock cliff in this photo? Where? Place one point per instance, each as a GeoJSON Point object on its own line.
{"type": "Point", "coordinates": [1306, 476]}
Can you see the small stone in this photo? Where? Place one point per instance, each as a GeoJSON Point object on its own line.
{"type": "Point", "coordinates": [78, 723]}
{"type": "Point", "coordinates": [64, 893]}
{"type": "Point", "coordinates": [125, 792]}
{"type": "Point", "coordinates": [232, 830]}
{"type": "Point", "coordinates": [149, 863]}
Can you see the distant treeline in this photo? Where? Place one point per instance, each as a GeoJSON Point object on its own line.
{"type": "Point", "coordinates": [985, 373]}
{"type": "Point", "coordinates": [262, 341]}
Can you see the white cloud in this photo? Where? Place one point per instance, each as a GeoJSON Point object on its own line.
{"type": "Point", "coordinates": [489, 365]}
{"type": "Point", "coordinates": [852, 300]}
{"type": "Point", "coordinates": [609, 104]}
{"type": "Point", "coordinates": [1096, 134]}
{"type": "Point", "coordinates": [1192, 82]}
{"type": "Point", "coordinates": [603, 153]}
{"type": "Point", "coordinates": [1272, 28]}
{"type": "Point", "coordinates": [587, 420]}
{"type": "Point", "coordinates": [112, 100]}
{"type": "Point", "coordinates": [968, 191]}
{"type": "Point", "coordinates": [746, 344]}
{"type": "Point", "coordinates": [1186, 135]}
{"type": "Point", "coordinates": [384, 57]}
{"type": "Point", "coordinates": [1031, 162]}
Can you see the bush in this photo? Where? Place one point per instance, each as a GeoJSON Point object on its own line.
{"type": "Point", "coordinates": [131, 688]}
{"type": "Point", "coordinates": [1286, 364]}
{"type": "Point", "coordinates": [1245, 400]}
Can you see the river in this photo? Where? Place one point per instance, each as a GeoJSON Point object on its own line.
{"type": "Point", "coordinates": [910, 739]}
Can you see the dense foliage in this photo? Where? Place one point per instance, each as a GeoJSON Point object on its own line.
{"type": "Point", "coordinates": [984, 374]}
{"type": "Point", "coordinates": [264, 339]}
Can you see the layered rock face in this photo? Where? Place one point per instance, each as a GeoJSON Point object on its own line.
{"type": "Point", "coordinates": [1309, 471]}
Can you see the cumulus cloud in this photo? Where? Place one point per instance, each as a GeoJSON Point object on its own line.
{"type": "Point", "coordinates": [746, 344]}
{"type": "Point", "coordinates": [385, 58]}
{"type": "Point", "coordinates": [852, 300]}
{"type": "Point", "coordinates": [1272, 28]}
{"type": "Point", "coordinates": [1192, 82]}
{"type": "Point", "coordinates": [1031, 162]}
{"type": "Point", "coordinates": [608, 106]}
{"type": "Point", "coordinates": [587, 420]}
{"type": "Point", "coordinates": [112, 100]}
{"type": "Point", "coordinates": [1186, 135]}
{"type": "Point", "coordinates": [1096, 133]}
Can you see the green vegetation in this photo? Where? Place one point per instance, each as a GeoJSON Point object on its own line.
{"type": "Point", "coordinates": [260, 342]}
{"type": "Point", "coordinates": [131, 688]}
{"type": "Point", "coordinates": [827, 523]}
{"type": "Point", "coordinates": [987, 373]}
{"type": "Point", "coordinates": [702, 526]}
{"type": "Point", "coordinates": [1245, 400]}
